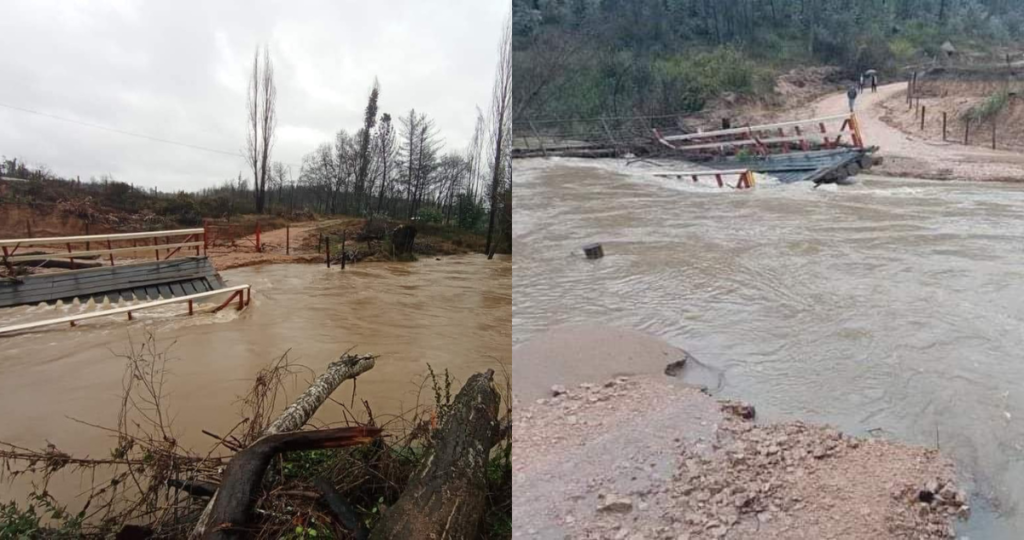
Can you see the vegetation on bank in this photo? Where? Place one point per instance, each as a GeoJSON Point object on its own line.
{"type": "Point", "coordinates": [110, 205]}
{"type": "Point", "coordinates": [133, 486]}
{"type": "Point", "coordinates": [608, 58]}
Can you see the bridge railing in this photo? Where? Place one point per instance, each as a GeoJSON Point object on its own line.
{"type": "Point", "coordinates": [160, 245]}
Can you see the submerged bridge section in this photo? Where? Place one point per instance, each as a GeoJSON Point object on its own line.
{"type": "Point", "coordinates": [153, 280]}
{"type": "Point", "coordinates": [155, 273]}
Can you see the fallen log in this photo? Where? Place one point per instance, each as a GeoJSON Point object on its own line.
{"type": "Point", "coordinates": [232, 505]}
{"type": "Point", "coordinates": [229, 509]}
{"type": "Point", "coordinates": [446, 496]}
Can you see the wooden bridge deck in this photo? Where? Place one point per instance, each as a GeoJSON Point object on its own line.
{"type": "Point", "coordinates": [142, 281]}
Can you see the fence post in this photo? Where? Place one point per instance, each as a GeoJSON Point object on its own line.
{"type": "Point", "coordinates": [87, 244]}
{"type": "Point", "coordinates": [344, 233]}
{"type": "Point", "coordinates": [328, 251]}
{"type": "Point", "coordinates": [206, 235]}
{"type": "Point", "coordinates": [943, 126]}
{"type": "Point", "coordinates": [967, 131]}
{"type": "Point", "coordinates": [539, 140]}
{"type": "Point", "coordinates": [922, 118]}
{"type": "Point", "coordinates": [993, 133]}
{"type": "Point", "coordinates": [287, 239]}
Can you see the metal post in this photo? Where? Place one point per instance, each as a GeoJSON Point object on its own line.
{"type": "Point", "coordinates": [344, 233]}
{"type": "Point", "coordinates": [328, 251]}
{"type": "Point", "coordinates": [189, 307]}
{"type": "Point", "coordinates": [129, 315]}
{"type": "Point", "coordinates": [259, 249]}
{"type": "Point", "coordinates": [72, 258]}
{"type": "Point", "coordinates": [993, 133]}
{"type": "Point", "coordinates": [87, 245]}
{"type": "Point", "coordinates": [287, 239]}
{"type": "Point", "coordinates": [111, 254]}
{"type": "Point", "coordinates": [206, 235]}
{"type": "Point", "coordinates": [967, 131]}
{"type": "Point", "coordinates": [922, 118]}
{"type": "Point", "coordinates": [156, 242]}
{"type": "Point", "coordinates": [943, 126]}
{"type": "Point", "coordinates": [718, 178]}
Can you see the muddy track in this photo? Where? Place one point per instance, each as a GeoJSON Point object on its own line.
{"type": "Point", "coordinates": [909, 156]}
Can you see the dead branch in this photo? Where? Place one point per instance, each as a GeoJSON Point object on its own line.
{"type": "Point", "coordinates": [232, 505]}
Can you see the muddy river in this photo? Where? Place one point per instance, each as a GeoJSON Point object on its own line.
{"type": "Point", "coordinates": [892, 307]}
{"type": "Point", "coordinates": [453, 313]}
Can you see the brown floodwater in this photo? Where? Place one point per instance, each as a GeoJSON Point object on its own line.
{"type": "Point", "coordinates": [893, 307]}
{"type": "Point", "coordinates": [452, 313]}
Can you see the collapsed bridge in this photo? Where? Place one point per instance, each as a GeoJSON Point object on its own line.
{"type": "Point", "coordinates": [156, 268]}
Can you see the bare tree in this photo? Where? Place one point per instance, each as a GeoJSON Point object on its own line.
{"type": "Point", "coordinates": [385, 153]}
{"type": "Point", "coordinates": [501, 124]}
{"type": "Point", "coordinates": [369, 121]}
{"type": "Point", "coordinates": [262, 107]}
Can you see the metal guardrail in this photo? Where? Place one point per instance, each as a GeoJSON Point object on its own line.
{"type": "Point", "coordinates": [194, 238]}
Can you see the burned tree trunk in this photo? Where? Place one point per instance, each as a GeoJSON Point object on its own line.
{"type": "Point", "coordinates": [228, 511]}
{"type": "Point", "coordinates": [232, 504]}
{"type": "Point", "coordinates": [446, 496]}
{"type": "Point", "coordinates": [403, 238]}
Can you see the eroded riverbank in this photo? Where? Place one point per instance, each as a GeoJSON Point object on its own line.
{"type": "Point", "coordinates": [891, 308]}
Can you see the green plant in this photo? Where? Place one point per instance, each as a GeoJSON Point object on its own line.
{"type": "Point", "coordinates": [442, 393]}
{"type": "Point", "coordinates": [309, 529]}
{"type": "Point", "coordinates": [987, 109]}
{"type": "Point", "coordinates": [18, 524]}
{"type": "Point", "coordinates": [430, 215]}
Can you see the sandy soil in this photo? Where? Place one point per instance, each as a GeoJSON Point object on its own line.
{"type": "Point", "coordinates": [243, 253]}
{"type": "Point", "coordinates": [909, 156]}
{"type": "Point", "coordinates": [645, 456]}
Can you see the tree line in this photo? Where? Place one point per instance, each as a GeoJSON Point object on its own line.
{"type": "Point", "coordinates": [590, 58]}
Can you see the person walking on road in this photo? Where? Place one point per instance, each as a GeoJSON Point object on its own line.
{"type": "Point", "coordinates": [852, 94]}
{"type": "Point", "coordinates": [860, 86]}
{"type": "Point", "coordinates": [874, 83]}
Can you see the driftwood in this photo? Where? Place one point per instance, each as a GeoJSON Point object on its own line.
{"type": "Point", "coordinates": [232, 505]}
{"type": "Point", "coordinates": [446, 496]}
{"type": "Point", "coordinates": [228, 511]}
{"type": "Point", "coordinates": [302, 409]}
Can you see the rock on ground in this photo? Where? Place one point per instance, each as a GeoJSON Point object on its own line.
{"type": "Point", "coordinates": [641, 457]}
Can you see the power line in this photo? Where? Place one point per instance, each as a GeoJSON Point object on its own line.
{"type": "Point", "coordinates": [123, 132]}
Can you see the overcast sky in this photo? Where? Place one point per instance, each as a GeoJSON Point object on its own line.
{"type": "Point", "coordinates": [177, 70]}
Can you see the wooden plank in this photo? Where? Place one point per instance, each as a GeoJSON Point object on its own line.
{"type": "Point", "coordinates": [116, 311]}
{"type": "Point", "coordinates": [140, 293]}
{"type": "Point", "coordinates": [189, 287]}
{"type": "Point", "coordinates": [126, 295]}
{"type": "Point", "coordinates": [165, 291]}
{"type": "Point", "coordinates": [177, 290]}
{"type": "Point", "coordinates": [97, 237]}
{"type": "Point", "coordinates": [152, 293]}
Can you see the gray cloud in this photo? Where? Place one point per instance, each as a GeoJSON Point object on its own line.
{"type": "Point", "coordinates": [177, 71]}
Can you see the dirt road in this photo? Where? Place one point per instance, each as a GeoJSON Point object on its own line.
{"type": "Point", "coordinates": [273, 243]}
{"type": "Point", "coordinates": [909, 156]}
